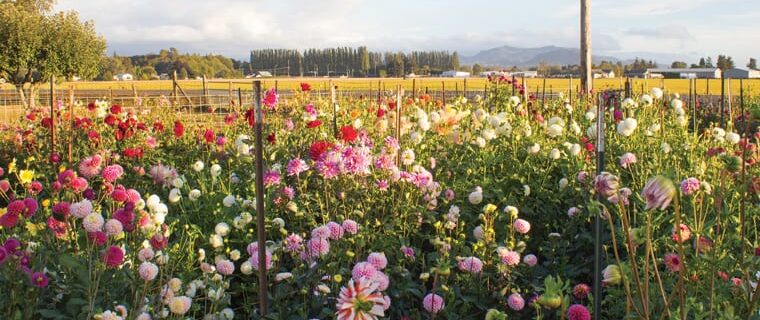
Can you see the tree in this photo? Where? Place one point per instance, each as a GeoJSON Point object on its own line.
{"type": "Point", "coordinates": [364, 60]}
{"type": "Point", "coordinates": [35, 45]}
{"type": "Point", "coordinates": [455, 61]}
{"type": "Point", "coordinates": [476, 69]}
{"type": "Point", "coordinates": [725, 62]}
{"type": "Point", "coordinates": [752, 63]}
{"type": "Point", "coordinates": [678, 65]}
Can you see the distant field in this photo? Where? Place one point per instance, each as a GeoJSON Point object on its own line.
{"type": "Point", "coordinates": [450, 84]}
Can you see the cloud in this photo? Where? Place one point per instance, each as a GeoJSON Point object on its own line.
{"type": "Point", "coordinates": [662, 32]}
{"type": "Point", "coordinates": [631, 8]}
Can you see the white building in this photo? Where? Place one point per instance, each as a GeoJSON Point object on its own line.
{"type": "Point", "coordinates": [123, 77]}
{"type": "Point", "coordinates": [686, 73]}
{"type": "Point", "coordinates": [739, 73]}
{"type": "Point", "coordinates": [455, 74]}
{"type": "Point", "coordinates": [527, 74]}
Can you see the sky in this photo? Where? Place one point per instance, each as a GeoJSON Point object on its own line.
{"type": "Point", "coordinates": [664, 30]}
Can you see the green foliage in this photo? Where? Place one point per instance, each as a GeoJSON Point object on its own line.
{"type": "Point", "coordinates": [35, 45]}
{"type": "Point", "coordinates": [151, 66]}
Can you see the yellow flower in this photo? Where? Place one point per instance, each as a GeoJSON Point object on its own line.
{"type": "Point", "coordinates": [338, 278]}
{"type": "Point", "coordinates": [26, 176]}
{"type": "Point", "coordinates": [61, 169]}
{"type": "Point", "coordinates": [2, 211]}
{"type": "Point", "coordinates": [489, 209]}
{"type": "Point", "coordinates": [12, 166]}
{"type": "Point", "coordinates": [45, 203]}
{"type": "Point", "coordinates": [34, 228]}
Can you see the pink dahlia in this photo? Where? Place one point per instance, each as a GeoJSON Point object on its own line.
{"type": "Point", "coordinates": [578, 312]}
{"type": "Point", "coordinates": [39, 279]}
{"type": "Point", "coordinates": [378, 260]}
{"type": "Point", "coordinates": [293, 243]}
{"type": "Point", "coordinates": [433, 303]}
{"type": "Point", "coordinates": [90, 166]}
{"type": "Point", "coordinates": [270, 98]}
{"type": "Point", "coordinates": [672, 262]}
{"type": "Point", "coordinates": [112, 173]}
{"type": "Point", "coordinates": [255, 261]}
{"type": "Point", "coordinates": [113, 256]}
{"type": "Point", "coordinates": [581, 291]}
{"type": "Point", "coordinates": [363, 270]}
{"type": "Point", "coordinates": [148, 271]}
{"type": "Point", "coordinates": [296, 167]}
{"type": "Point", "coordinates": [336, 230]}
{"type": "Point", "coordinates": [271, 178]}
{"type": "Point", "coordinates": [530, 260]}
{"type": "Point", "coordinates": [318, 247]}
{"type": "Point", "coordinates": [522, 226]}
{"type": "Point", "coordinates": [606, 183]}
{"type": "Point", "coordinates": [682, 235]}
{"type": "Point", "coordinates": [689, 186]}
{"type": "Point", "coordinates": [658, 192]}
{"type": "Point", "coordinates": [350, 226]}
{"type": "Point", "coordinates": [321, 232]}
{"type": "Point", "coordinates": [510, 258]}
{"type": "Point", "coordinates": [226, 267]}
{"type": "Point", "coordinates": [359, 299]}
{"type": "Point", "coordinates": [516, 302]}
{"type": "Point", "coordinates": [470, 264]}
{"type": "Point", "coordinates": [627, 159]}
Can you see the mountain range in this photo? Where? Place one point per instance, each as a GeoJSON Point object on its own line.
{"type": "Point", "coordinates": [507, 56]}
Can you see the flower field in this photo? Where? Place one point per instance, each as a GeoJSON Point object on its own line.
{"type": "Point", "coordinates": [479, 209]}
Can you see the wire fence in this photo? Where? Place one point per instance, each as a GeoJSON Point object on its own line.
{"type": "Point", "coordinates": [220, 102]}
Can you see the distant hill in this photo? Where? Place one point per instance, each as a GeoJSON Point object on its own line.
{"type": "Point", "coordinates": [508, 56]}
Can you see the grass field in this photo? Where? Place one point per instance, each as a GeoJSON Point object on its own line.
{"type": "Point", "coordinates": [450, 84]}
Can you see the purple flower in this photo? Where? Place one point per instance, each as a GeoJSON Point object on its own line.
{"type": "Point", "coordinates": [296, 167]}
{"type": "Point", "coordinates": [689, 186]}
{"type": "Point", "coordinates": [627, 159]}
{"type": "Point", "coordinates": [658, 192]}
{"type": "Point", "coordinates": [39, 279]}
{"type": "Point", "coordinates": [271, 178]}
{"type": "Point", "coordinates": [606, 184]}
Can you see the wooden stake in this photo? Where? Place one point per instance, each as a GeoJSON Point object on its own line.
{"type": "Point", "coordinates": [52, 118]}
{"type": "Point", "coordinates": [71, 120]}
{"type": "Point", "coordinates": [334, 101]}
{"type": "Point", "coordinates": [259, 163]}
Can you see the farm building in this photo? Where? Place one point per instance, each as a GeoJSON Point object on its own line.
{"type": "Point", "coordinates": [527, 74]}
{"type": "Point", "coordinates": [123, 77]}
{"type": "Point", "coordinates": [738, 73]}
{"type": "Point", "coordinates": [603, 73]}
{"type": "Point", "coordinates": [493, 74]}
{"type": "Point", "coordinates": [686, 73]}
{"type": "Point", "coordinates": [259, 74]}
{"type": "Point", "coordinates": [455, 74]}
{"type": "Point", "coordinates": [637, 73]}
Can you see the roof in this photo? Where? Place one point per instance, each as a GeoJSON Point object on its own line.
{"type": "Point", "coordinates": [683, 70]}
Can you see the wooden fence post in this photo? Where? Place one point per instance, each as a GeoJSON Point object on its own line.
{"type": "Point", "coordinates": [230, 101]}
{"type": "Point", "coordinates": [205, 94]}
{"type": "Point", "coordinates": [175, 97]}
{"type": "Point", "coordinates": [443, 91]}
{"type": "Point", "coordinates": [135, 101]}
{"type": "Point", "coordinates": [240, 99]}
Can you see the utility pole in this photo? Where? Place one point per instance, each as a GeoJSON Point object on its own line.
{"type": "Point", "coordinates": [586, 81]}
